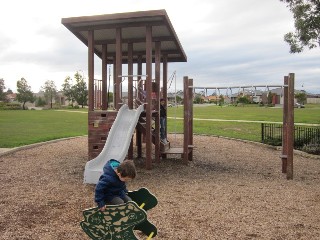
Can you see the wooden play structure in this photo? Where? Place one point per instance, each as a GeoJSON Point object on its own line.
{"type": "Point", "coordinates": [288, 117]}
{"type": "Point", "coordinates": [144, 39]}
{"type": "Point", "coordinates": [147, 39]}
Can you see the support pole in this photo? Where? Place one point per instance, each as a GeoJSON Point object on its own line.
{"type": "Point", "coordinates": [130, 90]}
{"type": "Point", "coordinates": [190, 120]}
{"type": "Point", "coordinates": [91, 69]}
{"type": "Point", "coordinates": [148, 91]}
{"type": "Point", "coordinates": [140, 86]}
{"type": "Point", "coordinates": [104, 78]}
{"type": "Point", "coordinates": [118, 68]}
{"type": "Point", "coordinates": [290, 133]}
{"type": "Point", "coordinates": [285, 126]}
{"type": "Point", "coordinates": [165, 90]}
{"type": "Point", "coordinates": [186, 120]}
{"type": "Point", "coordinates": [157, 90]}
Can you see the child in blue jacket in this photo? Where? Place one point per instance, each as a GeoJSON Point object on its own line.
{"type": "Point", "coordinates": [111, 188]}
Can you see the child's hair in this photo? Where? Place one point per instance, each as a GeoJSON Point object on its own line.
{"type": "Point", "coordinates": [127, 169]}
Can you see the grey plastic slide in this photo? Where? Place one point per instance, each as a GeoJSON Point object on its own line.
{"type": "Point", "coordinates": [117, 143]}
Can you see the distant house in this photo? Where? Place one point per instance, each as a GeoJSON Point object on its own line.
{"type": "Point", "coordinates": [11, 97]}
{"type": "Point", "coordinates": [313, 98]}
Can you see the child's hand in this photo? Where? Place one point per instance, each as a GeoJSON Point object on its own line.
{"type": "Point", "coordinates": [102, 208]}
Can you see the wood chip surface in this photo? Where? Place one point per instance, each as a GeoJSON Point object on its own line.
{"type": "Point", "coordinates": [231, 190]}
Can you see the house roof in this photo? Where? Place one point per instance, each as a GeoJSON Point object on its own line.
{"type": "Point", "coordinates": [133, 28]}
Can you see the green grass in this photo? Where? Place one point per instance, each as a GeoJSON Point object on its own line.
{"type": "Point", "coordinates": [209, 111]}
{"type": "Point", "coordinates": [19, 127]}
{"type": "Point", "coordinates": [247, 131]}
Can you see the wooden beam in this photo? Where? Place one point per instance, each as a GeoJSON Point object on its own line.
{"type": "Point", "coordinates": [285, 125]}
{"type": "Point", "coordinates": [190, 120]}
{"type": "Point", "coordinates": [116, 25]}
{"type": "Point", "coordinates": [104, 78]}
{"type": "Point", "coordinates": [157, 103]}
{"type": "Point", "coordinates": [118, 67]}
{"type": "Point", "coordinates": [149, 102]}
{"type": "Point", "coordinates": [135, 40]}
{"type": "Point", "coordinates": [140, 86]}
{"type": "Point", "coordinates": [130, 90]}
{"type": "Point", "coordinates": [290, 134]}
{"type": "Point", "coordinates": [91, 70]}
{"type": "Point", "coordinates": [185, 119]}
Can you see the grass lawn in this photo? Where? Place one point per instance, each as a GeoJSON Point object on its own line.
{"type": "Point", "coordinates": [19, 127]}
{"type": "Point", "coordinates": [247, 131]}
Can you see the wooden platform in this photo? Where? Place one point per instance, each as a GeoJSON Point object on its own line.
{"type": "Point", "coordinates": [174, 150]}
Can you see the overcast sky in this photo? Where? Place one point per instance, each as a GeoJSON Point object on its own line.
{"type": "Point", "coordinates": [227, 42]}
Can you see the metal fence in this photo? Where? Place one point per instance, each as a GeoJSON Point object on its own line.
{"type": "Point", "coordinates": [306, 138]}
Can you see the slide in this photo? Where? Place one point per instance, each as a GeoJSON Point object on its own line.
{"type": "Point", "coordinates": [117, 143]}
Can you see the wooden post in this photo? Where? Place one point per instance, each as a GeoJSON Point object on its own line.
{"type": "Point", "coordinates": [104, 78]}
{"type": "Point", "coordinates": [138, 133]}
{"type": "Point", "coordinates": [149, 103]}
{"type": "Point", "coordinates": [165, 90]}
{"type": "Point", "coordinates": [186, 119]}
{"type": "Point", "coordinates": [118, 68]}
{"type": "Point", "coordinates": [190, 115]}
{"type": "Point", "coordinates": [290, 120]}
{"type": "Point", "coordinates": [114, 82]}
{"type": "Point", "coordinates": [130, 90]}
{"type": "Point", "coordinates": [91, 69]}
{"type": "Point", "coordinates": [285, 126]}
{"type": "Point", "coordinates": [157, 90]}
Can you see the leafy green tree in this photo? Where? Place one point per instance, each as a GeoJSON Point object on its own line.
{"type": "Point", "coordinates": [197, 99]}
{"type": "Point", "coordinates": [68, 90]}
{"type": "Point", "coordinates": [243, 99]}
{"type": "Point", "coordinates": [40, 102]}
{"type": "Point", "coordinates": [221, 100]}
{"type": "Point", "coordinates": [80, 90]}
{"type": "Point", "coordinates": [24, 92]}
{"type": "Point", "coordinates": [2, 88]}
{"type": "Point", "coordinates": [306, 15]}
{"type": "Point", "coordinates": [110, 98]}
{"type": "Point", "coordinates": [301, 97]}
{"type": "Point", "coordinates": [50, 91]}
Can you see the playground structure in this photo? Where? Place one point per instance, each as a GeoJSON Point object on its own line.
{"type": "Point", "coordinates": [145, 37]}
{"type": "Point", "coordinates": [288, 117]}
{"type": "Point", "coordinates": [142, 38]}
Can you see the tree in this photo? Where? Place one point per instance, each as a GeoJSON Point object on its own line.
{"type": "Point", "coordinates": [40, 102]}
{"type": "Point", "coordinates": [221, 100]}
{"type": "Point", "coordinates": [24, 92]}
{"type": "Point", "coordinates": [77, 92]}
{"type": "Point", "coordinates": [68, 90]}
{"type": "Point", "coordinates": [301, 97]}
{"type": "Point", "coordinates": [80, 90]}
{"type": "Point", "coordinates": [50, 91]}
{"type": "Point", "coordinates": [306, 15]}
{"type": "Point", "coordinates": [2, 88]}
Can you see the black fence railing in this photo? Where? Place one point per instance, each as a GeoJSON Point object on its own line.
{"type": "Point", "coordinates": [306, 138]}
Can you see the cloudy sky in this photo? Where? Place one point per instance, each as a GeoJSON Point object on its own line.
{"type": "Point", "coordinates": [227, 42]}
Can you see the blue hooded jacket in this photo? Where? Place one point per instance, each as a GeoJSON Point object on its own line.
{"type": "Point", "coordinates": [109, 184]}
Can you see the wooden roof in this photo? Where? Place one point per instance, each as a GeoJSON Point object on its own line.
{"type": "Point", "coordinates": [133, 25]}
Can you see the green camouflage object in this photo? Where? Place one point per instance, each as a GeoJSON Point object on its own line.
{"type": "Point", "coordinates": [146, 199]}
{"type": "Point", "coordinates": [119, 221]}
{"type": "Point", "coordinates": [115, 223]}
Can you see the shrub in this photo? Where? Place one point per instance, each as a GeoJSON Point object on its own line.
{"type": "Point", "coordinates": [312, 148]}
{"type": "Point", "coordinates": [10, 106]}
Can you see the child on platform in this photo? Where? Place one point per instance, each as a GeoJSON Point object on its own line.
{"type": "Point", "coordinates": [111, 188]}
